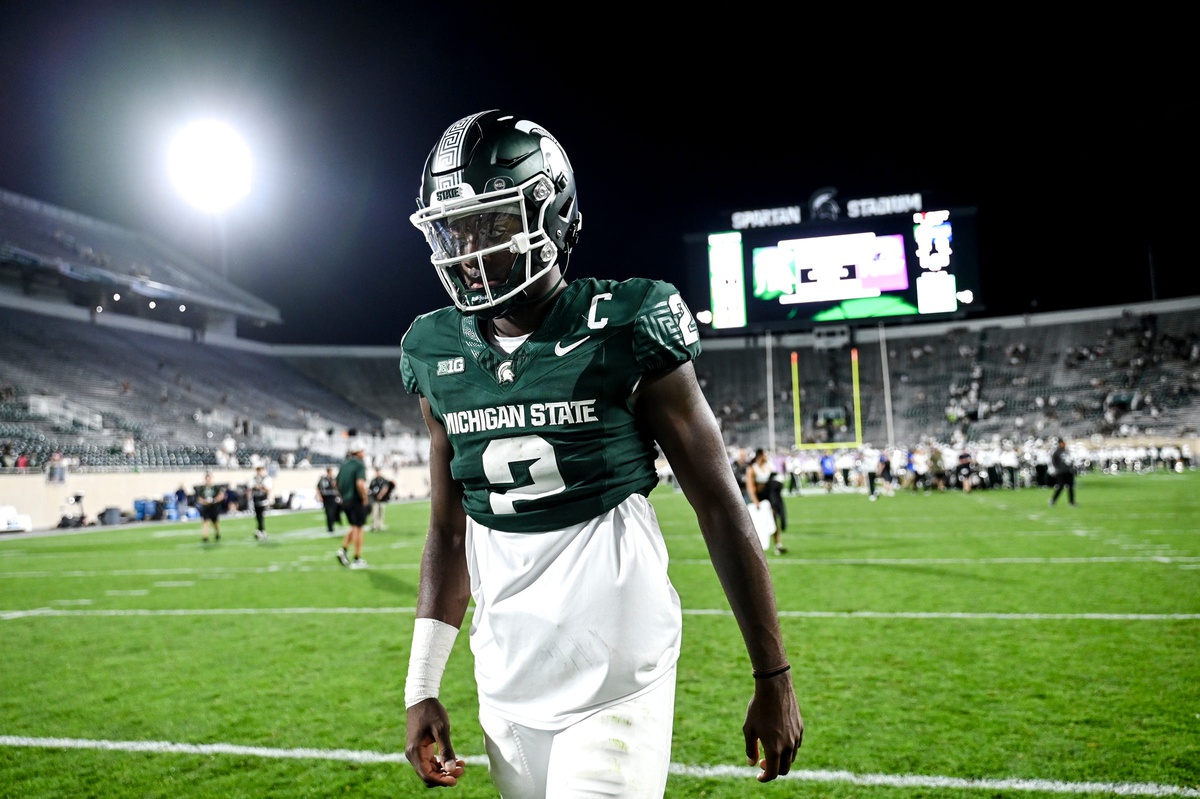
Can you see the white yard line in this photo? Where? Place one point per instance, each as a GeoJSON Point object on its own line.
{"type": "Point", "coordinates": [307, 563]}
{"type": "Point", "coordinates": [1165, 559]}
{"type": "Point", "coordinates": [7, 615]}
{"type": "Point", "coordinates": [677, 769]}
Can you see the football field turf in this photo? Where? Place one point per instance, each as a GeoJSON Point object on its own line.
{"type": "Point", "coordinates": [945, 645]}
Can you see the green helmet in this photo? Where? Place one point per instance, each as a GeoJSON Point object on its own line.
{"type": "Point", "coordinates": [498, 208]}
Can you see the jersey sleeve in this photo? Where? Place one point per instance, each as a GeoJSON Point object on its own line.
{"type": "Point", "coordinates": [665, 333]}
{"type": "Point", "coordinates": [408, 365]}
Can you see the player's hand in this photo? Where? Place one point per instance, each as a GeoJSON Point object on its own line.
{"type": "Point", "coordinates": [428, 747]}
{"type": "Point", "coordinates": [773, 719]}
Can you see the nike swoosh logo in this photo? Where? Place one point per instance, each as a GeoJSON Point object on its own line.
{"type": "Point", "coordinates": [560, 350]}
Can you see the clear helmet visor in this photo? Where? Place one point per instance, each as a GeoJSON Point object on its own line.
{"type": "Point", "coordinates": [483, 248]}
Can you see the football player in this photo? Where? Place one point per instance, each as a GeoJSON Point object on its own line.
{"type": "Point", "coordinates": [545, 401]}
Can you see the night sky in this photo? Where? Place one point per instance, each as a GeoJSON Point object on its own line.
{"type": "Point", "coordinates": [1074, 153]}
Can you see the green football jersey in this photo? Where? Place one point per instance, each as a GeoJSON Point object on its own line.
{"type": "Point", "coordinates": [546, 437]}
{"type": "Point", "coordinates": [349, 473]}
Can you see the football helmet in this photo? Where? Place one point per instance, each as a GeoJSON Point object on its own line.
{"type": "Point", "coordinates": [498, 209]}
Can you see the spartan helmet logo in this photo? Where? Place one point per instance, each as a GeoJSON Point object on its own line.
{"type": "Point", "coordinates": [822, 205]}
{"type": "Point", "coordinates": [504, 372]}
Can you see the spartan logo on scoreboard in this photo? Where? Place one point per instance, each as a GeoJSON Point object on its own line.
{"type": "Point", "coordinates": [823, 205]}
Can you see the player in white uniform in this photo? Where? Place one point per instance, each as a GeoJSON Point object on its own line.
{"type": "Point", "coordinates": [545, 402]}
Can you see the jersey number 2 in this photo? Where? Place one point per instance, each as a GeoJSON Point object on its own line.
{"type": "Point", "coordinates": [687, 323]}
{"type": "Point", "coordinates": [539, 476]}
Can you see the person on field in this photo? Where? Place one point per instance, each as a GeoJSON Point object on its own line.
{"type": "Point", "coordinates": [1064, 473]}
{"type": "Point", "coordinates": [210, 502]}
{"type": "Point", "coordinates": [352, 488]}
{"type": "Point", "coordinates": [260, 499]}
{"type": "Point", "coordinates": [545, 400]}
{"type": "Point", "coordinates": [331, 500]}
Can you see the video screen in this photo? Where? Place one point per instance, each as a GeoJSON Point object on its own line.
{"type": "Point", "coordinates": [922, 264]}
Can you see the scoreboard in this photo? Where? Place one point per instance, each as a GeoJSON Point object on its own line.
{"type": "Point", "coordinates": [794, 268]}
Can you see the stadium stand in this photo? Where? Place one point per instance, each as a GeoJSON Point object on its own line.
{"type": "Point", "coordinates": [45, 249]}
{"type": "Point", "coordinates": [82, 388]}
{"type": "Point", "coordinates": [370, 375]}
{"type": "Point", "coordinates": [1124, 371]}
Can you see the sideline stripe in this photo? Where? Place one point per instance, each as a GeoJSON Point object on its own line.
{"type": "Point", "coordinates": [6, 615]}
{"type": "Point", "coordinates": [677, 769]}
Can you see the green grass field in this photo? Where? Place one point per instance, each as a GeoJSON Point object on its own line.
{"type": "Point", "coordinates": [943, 646]}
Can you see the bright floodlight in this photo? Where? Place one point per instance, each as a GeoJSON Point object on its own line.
{"type": "Point", "coordinates": [210, 166]}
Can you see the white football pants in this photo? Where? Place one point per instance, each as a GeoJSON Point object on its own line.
{"type": "Point", "coordinates": [622, 751]}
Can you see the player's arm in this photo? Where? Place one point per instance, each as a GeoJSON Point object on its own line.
{"type": "Point", "coordinates": [442, 596]}
{"type": "Point", "coordinates": [679, 416]}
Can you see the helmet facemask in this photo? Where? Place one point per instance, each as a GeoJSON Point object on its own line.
{"type": "Point", "coordinates": [491, 247]}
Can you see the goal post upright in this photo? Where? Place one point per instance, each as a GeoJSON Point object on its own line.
{"type": "Point", "coordinates": [798, 420]}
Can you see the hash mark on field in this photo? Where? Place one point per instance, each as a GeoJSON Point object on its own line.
{"type": "Point", "coordinates": [677, 769]}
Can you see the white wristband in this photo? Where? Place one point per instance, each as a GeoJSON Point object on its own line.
{"type": "Point", "coordinates": [431, 644]}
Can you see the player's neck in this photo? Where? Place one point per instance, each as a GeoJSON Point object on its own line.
{"type": "Point", "coordinates": [525, 319]}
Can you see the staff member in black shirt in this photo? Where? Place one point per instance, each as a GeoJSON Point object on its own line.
{"type": "Point", "coordinates": [330, 498]}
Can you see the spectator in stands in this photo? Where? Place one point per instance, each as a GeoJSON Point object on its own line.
{"type": "Point", "coordinates": [1064, 473]}
{"type": "Point", "coordinates": [56, 469]}
{"type": "Point", "coordinates": [210, 500]}
{"type": "Point", "coordinates": [380, 491]}
{"type": "Point", "coordinates": [352, 486]}
{"type": "Point", "coordinates": [328, 491]}
{"type": "Point", "coordinates": [260, 498]}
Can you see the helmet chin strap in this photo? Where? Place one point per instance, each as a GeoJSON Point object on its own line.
{"type": "Point", "coordinates": [515, 304]}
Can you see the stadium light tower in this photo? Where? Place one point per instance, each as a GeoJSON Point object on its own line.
{"type": "Point", "coordinates": [210, 165]}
